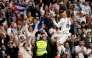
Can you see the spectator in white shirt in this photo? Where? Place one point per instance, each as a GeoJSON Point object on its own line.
{"type": "Point", "coordinates": [11, 29]}
{"type": "Point", "coordinates": [76, 8]}
{"type": "Point", "coordinates": [89, 51]}
{"type": "Point", "coordinates": [87, 8]}
{"type": "Point", "coordinates": [26, 51]}
{"type": "Point", "coordinates": [21, 40]}
{"type": "Point", "coordinates": [81, 17]}
{"type": "Point", "coordinates": [52, 30]}
{"type": "Point", "coordinates": [80, 49]}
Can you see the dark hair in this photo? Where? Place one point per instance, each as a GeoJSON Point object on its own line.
{"type": "Point", "coordinates": [24, 44]}
{"type": "Point", "coordinates": [81, 40]}
{"type": "Point", "coordinates": [44, 7]}
{"type": "Point", "coordinates": [82, 22]}
{"type": "Point", "coordinates": [78, 29]}
{"type": "Point", "coordinates": [28, 12]}
{"type": "Point", "coordinates": [66, 42]}
{"type": "Point", "coordinates": [61, 11]}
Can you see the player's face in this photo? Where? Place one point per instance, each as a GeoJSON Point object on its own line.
{"type": "Point", "coordinates": [64, 15]}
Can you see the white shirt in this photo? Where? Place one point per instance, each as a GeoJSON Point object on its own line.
{"type": "Point", "coordinates": [82, 19]}
{"type": "Point", "coordinates": [18, 36]}
{"type": "Point", "coordinates": [63, 24]}
{"type": "Point", "coordinates": [78, 48]}
{"type": "Point", "coordinates": [77, 9]}
{"type": "Point", "coordinates": [55, 35]}
{"type": "Point", "coordinates": [88, 51]}
{"type": "Point", "coordinates": [51, 30]}
{"type": "Point", "coordinates": [87, 10]}
{"type": "Point", "coordinates": [3, 41]}
{"type": "Point", "coordinates": [32, 34]}
{"type": "Point", "coordinates": [24, 53]}
{"type": "Point", "coordinates": [9, 31]}
{"type": "Point", "coordinates": [3, 52]}
{"type": "Point", "coordinates": [21, 45]}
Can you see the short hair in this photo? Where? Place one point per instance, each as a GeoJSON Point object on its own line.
{"type": "Point", "coordinates": [61, 11]}
{"type": "Point", "coordinates": [82, 22]}
{"type": "Point", "coordinates": [78, 29]}
{"type": "Point", "coordinates": [81, 40]}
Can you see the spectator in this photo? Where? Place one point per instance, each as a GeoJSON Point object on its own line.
{"type": "Point", "coordinates": [11, 29]}
{"type": "Point", "coordinates": [89, 52]}
{"type": "Point", "coordinates": [3, 49]}
{"type": "Point", "coordinates": [67, 50]}
{"type": "Point", "coordinates": [80, 49]}
{"type": "Point", "coordinates": [4, 38]}
{"type": "Point", "coordinates": [88, 39]}
{"type": "Point", "coordinates": [87, 8]}
{"type": "Point", "coordinates": [29, 18]}
{"type": "Point", "coordinates": [19, 19]}
{"type": "Point", "coordinates": [81, 17]}
{"type": "Point", "coordinates": [63, 6]}
{"type": "Point", "coordinates": [12, 50]}
{"type": "Point", "coordinates": [37, 11]}
{"type": "Point", "coordinates": [2, 17]}
{"type": "Point", "coordinates": [10, 16]}
{"type": "Point", "coordinates": [26, 51]}
{"type": "Point", "coordinates": [74, 28]}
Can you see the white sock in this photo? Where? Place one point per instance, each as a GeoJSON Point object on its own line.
{"type": "Point", "coordinates": [62, 48]}
{"type": "Point", "coordinates": [59, 50]}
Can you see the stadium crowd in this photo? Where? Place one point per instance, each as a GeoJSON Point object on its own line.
{"type": "Point", "coordinates": [46, 29]}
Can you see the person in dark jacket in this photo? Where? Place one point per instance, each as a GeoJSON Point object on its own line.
{"type": "Point", "coordinates": [3, 39]}
{"type": "Point", "coordinates": [3, 51]}
{"type": "Point", "coordinates": [12, 50]}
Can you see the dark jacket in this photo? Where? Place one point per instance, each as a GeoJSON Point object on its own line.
{"type": "Point", "coordinates": [3, 20]}
{"type": "Point", "coordinates": [1, 54]}
{"type": "Point", "coordinates": [13, 52]}
{"type": "Point", "coordinates": [5, 40]}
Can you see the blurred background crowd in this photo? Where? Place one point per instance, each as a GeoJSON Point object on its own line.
{"type": "Point", "coordinates": [21, 29]}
